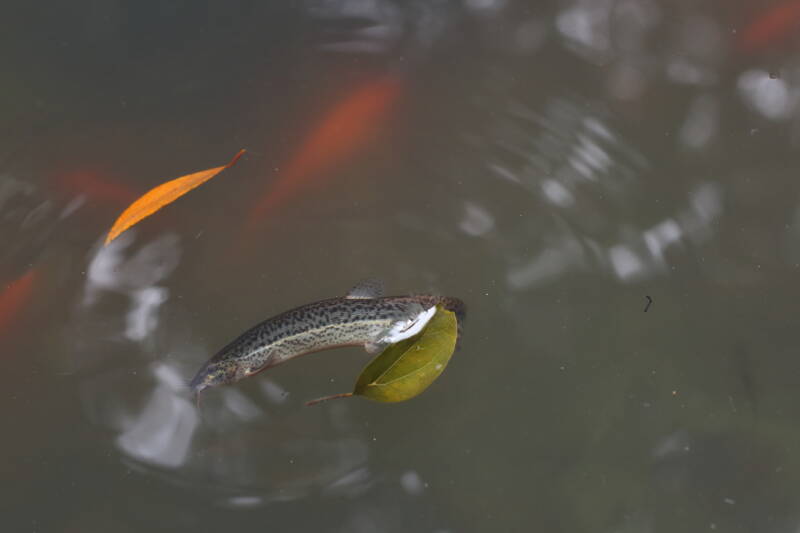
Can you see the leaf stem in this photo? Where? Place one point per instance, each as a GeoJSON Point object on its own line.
{"type": "Point", "coordinates": [331, 397]}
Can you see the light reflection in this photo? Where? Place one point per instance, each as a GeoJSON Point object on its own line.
{"type": "Point", "coordinates": [162, 432]}
{"type": "Point", "coordinates": [486, 5]}
{"type": "Point", "coordinates": [682, 70]}
{"type": "Point", "coordinates": [405, 32]}
{"type": "Point", "coordinates": [638, 257]}
{"type": "Point", "coordinates": [245, 502]}
{"type": "Point", "coordinates": [477, 220]}
{"type": "Point", "coordinates": [626, 264]}
{"type": "Point", "coordinates": [557, 194]}
{"type": "Point", "coordinates": [412, 483]}
{"type": "Point", "coordinates": [357, 26]}
{"type": "Point", "coordinates": [549, 264]}
{"type": "Point", "coordinates": [273, 392]}
{"type": "Point", "coordinates": [769, 96]}
{"type": "Point", "coordinates": [110, 271]}
{"type": "Point", "coordinates": [72, 206]}
{"type": "Point", "coordinates": [586, 27]}
{"type": "Point", "coordinates": [351, 484]}
{"type": "Point", "coordinates": [27, 222]}
{"type": "Point", "coordinates": [678, 442]}
{"type": "Point", "coordinates": [565, 155]}
{"type": "Point", "coordinates": [570, 159]}
{"type": "Point", "coordinates": [240, 405]}
{"type": "Point", "coordinates": [142, 318]}
{"type": "Point", "coordinates": [701, 124]}
{"type": "Point", "coordinates": [697, 49]}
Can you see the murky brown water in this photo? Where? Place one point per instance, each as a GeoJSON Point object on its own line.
{"type": "Point", "coordinates": [554, 164]}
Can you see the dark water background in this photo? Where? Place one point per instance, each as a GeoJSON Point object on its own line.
{"type": "Point", "coordinates": [552, 163]}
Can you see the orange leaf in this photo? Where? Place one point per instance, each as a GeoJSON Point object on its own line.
{"type": "Point", "coordinates": [164, 194]}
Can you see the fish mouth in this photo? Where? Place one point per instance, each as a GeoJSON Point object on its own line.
{"type": "Point", "coordinates": [198, 382]}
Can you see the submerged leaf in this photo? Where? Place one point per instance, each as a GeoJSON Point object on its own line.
{"type": "Point", "coordinates": [164, 194]}
{"type": "Point", "coordinates": [407, 368]}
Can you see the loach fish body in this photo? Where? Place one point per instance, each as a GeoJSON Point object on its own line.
{"type": "Point", "coordinates": [362, 318]}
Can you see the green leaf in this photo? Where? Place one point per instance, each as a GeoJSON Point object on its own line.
{"type": "Point", "coordinates": [405, 369]}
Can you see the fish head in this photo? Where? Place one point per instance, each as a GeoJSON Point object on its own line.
{"type": "Point", "coordinates": [214, 373]}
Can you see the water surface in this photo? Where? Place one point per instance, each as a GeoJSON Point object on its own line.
{"type": "Point", "coordinates": [553, 164]}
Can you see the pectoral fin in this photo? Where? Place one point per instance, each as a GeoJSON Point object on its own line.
{"type": "Point", "coordinates": [365, 289]}
{"type": "Point", "coordinates": [374, 348]}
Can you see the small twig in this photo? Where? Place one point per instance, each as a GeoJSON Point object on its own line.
{"type": "Point", "coordinates": [331, 397]}
{"type": "Point", "coordinates": [649, 301]}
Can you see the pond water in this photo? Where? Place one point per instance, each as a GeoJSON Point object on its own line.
{"type": "Point", "coordinates": [610, 186]}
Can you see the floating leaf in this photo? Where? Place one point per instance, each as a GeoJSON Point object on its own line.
{"type": "Point", "coordinates": [405, 369]}
{"type": "Point", "coordinates": [164, 194]}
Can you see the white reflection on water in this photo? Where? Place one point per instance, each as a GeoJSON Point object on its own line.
{"type": "Point", "coordinates": [142, 318]}
{"type": "Point", "coordinates": [477, 220]}
{"type": "Point", "coordinates": [273, 392]}
{"type": "Point", "coordinates": [639, 256]}
{"type": "Point", "coordinates": [27, 222]}
{"type": "Point", "coordinates": [240, 405]}
{"type": "Point", "coordinates": [161, 433]}
{"type": "Point", "coordinates": [770, 96]}
{"type": "Point", "coordinates": [407, 30]}
{"type": "Point", "coordinates": [674, 443]}
{"type": "Point", "coordinates": [412, 483]}
{"type": "Point", "coordinates": [486, 5]}
{"type": "Point", "coordinates": [549, 264]}
{"type": "Point", "coordinates": [562, 153]}
{"type": "Point", "coordinates": [135, 277]}
{"type": "Point", "coordinates": [584, 182]}
{"type": "Point", "coordinates": [585, 25]}
{"type": "Point", "coordinates": [702, 122]}
{"type": "Point", "coordinates": [696, 51]}
{"type": "Point", "coordinates": [358, 26]}
{"type": "Point", "coordinates": [351, 483]}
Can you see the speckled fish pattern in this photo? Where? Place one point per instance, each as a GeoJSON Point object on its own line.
{"type": "Point", "coordinates": [311, 328]}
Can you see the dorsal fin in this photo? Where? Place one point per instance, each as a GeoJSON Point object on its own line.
{"type": "Point", "coordinates": [365, 289]}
